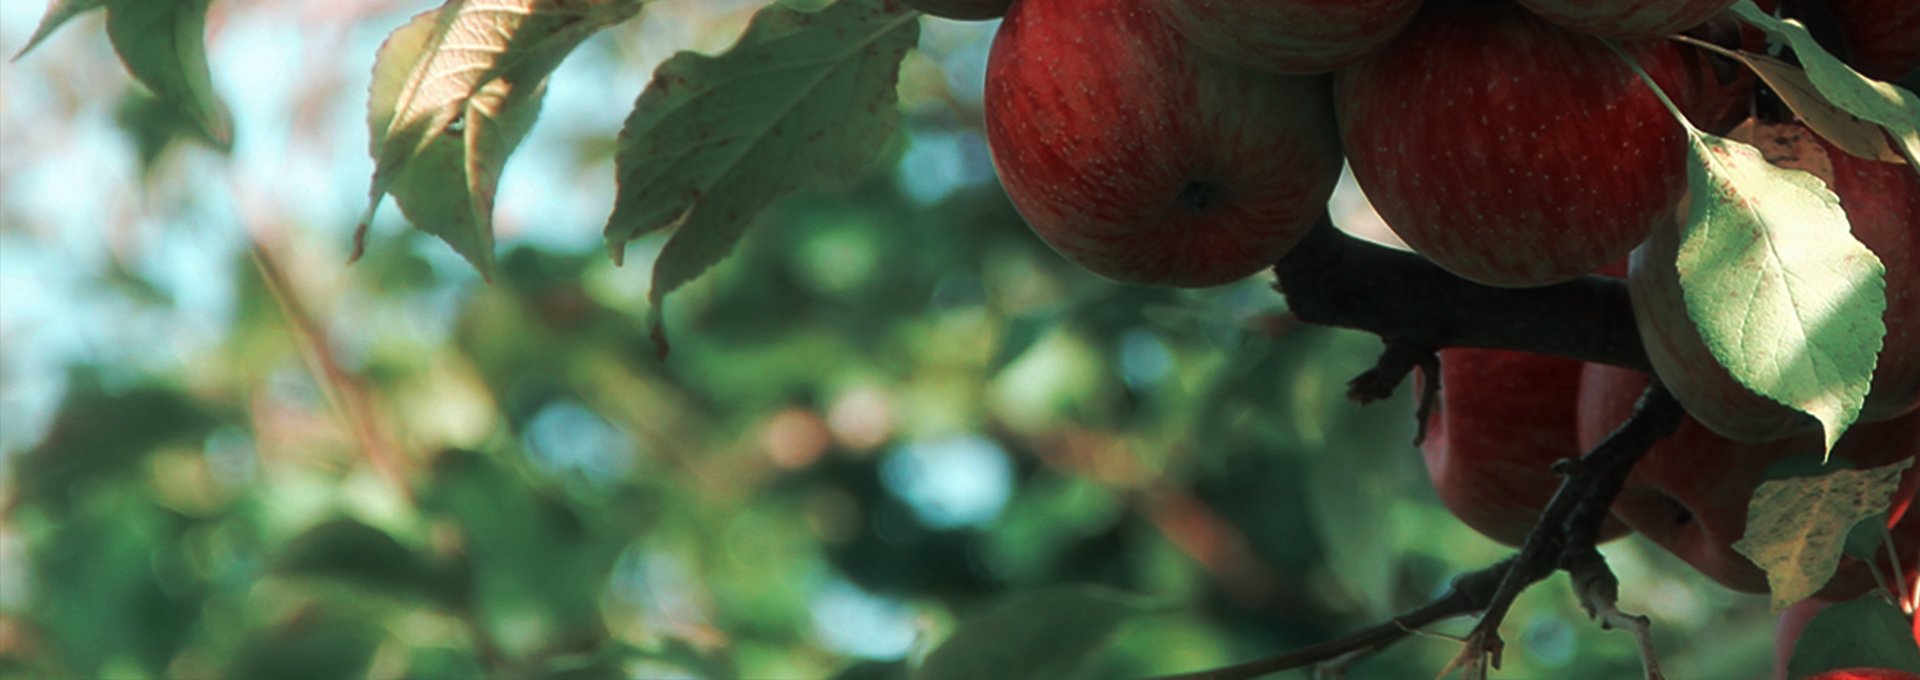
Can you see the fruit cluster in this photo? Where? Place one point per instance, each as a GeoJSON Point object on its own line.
{"type": "Point", "coordinates": [1194, 142]}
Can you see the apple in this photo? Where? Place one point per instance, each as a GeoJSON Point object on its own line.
{"type": "Point", "coordinates": [1864, 674]}
{"type": "Point", "coordinates": [1786, 631]}
{"type": "Point", "coordinates": [1145, 159]}
{"type": "Point", "coordinates": [1882, 202]}
{"type": "Point", "coordinates": [1289, 36]}
{"type": "Point", "coordinates": [961, 10]}
{"type": "Point", "coordinates": [1627, 19]}
{"type": "Point", "coordinates": [1882, 36]}
{"type": "Point", "coordinates": [1509, 150]}
{"type": "Point", "coordinates": [1502, 420]}
{"type": "Point", "coordinates": [1689, 495]}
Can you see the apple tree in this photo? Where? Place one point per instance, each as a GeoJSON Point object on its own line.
{"type": "Point", "coordinates": [931, 339]}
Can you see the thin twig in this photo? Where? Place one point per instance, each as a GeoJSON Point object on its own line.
{"type": "Point", "coordinates": [1572, 519]}
{"type": "Point", "coordinates": [1469, 593]}
{"type": "Point", "coordinates": [345, 390]}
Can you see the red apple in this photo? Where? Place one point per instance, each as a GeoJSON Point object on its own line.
{"type": "Point", "coordinates": [1289, 36]}
{"type": "Point", "coordinates": [1786, 632]}
{"type": "Point", "coordinates": [1509, 150]}
{"type": "Point", "coordinates": [1690, 494]}
{"type": "Point", "coordinates": [1145, 159]}
{"type": "Point", "coordinates": [1627, 19]}
{"type": "Point", "coordinates": [1882, 201]}
{"type": "Point", "coordinates": [1864, 674]}
{"type": "Point", "coordinates": [1883, 36]}
{"type": "Point", "coordinates": [961, 10]}
{"type": "Point", "coordinates": [1502, 420]}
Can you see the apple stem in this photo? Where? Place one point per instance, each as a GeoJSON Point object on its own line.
{"type": "Point", "coordinates": [1657, 92]}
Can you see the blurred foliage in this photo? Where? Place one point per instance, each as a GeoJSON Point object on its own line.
{"type": "Point", "coordinates": [890, 411]}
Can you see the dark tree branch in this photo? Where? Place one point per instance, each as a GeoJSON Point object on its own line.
{"type": "Point", "coordinates": [1571, 522]}
{"type": "Point", "coordinates": [1333, 279]}
{"type": "Point", "coordinates": [1391, 369]}
{"type": "Point", "coordinates": [1417, 308]}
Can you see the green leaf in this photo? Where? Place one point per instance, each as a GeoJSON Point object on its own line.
{"type": "Point", "coordinates": [1893, 108]}
{"type": "Point", "coordinates": [800, 100]}
{"type": "Point", "coordinates": [57, 14]}
{"type": "Point", "coordinates": [1797, 528]}
{"type": "Point", "coordinates": [1867, 537]}
{"type": "Point", "coordinates": [163, 44]}
{"type": "Point", "coordinates": [1783, 295]}
{"type": "Point", "coordinates": [1039, 635]}
{"type": "Point", "coordinates": [539, 562]}
{"type": "Point", "coordinates": [1867, 632]}
{"type": "Point", "coordinates": [1021, 334]}
{"type": "Point", "coordinates": [97, 434]}
{"type": "Point", "coordinates": [351, 551]}
{"type": "Point", "coordinates": [155, 125]}
{"type": "Point", "coordinates": [454, 91]}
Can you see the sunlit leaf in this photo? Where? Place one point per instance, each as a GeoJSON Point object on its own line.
{"type": "Point", "coordinates": [1781, 292]}
{"type": "Point", "coordinates": [1851, 133]}
{"type": "Point", "coordinates": [163, 44]}
{"type": "Point", "coordinates": [1797, 528]}
{"type": "Point", "coordinates": [1868, 632]}
{"type": "Point", "coordinates": [802, 98]}
{"type": "Point", "coordinates": [1892, 107]}
{"type": "Point", "coordinates": [1039, 635]}
{"type": "Point", "coordinates": [453, 93]}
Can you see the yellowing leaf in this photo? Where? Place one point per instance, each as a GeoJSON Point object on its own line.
{"type": "Point", "coordinates": [1797, 528]}
{"type": "Point", "coordinates": [1780, 291]}
{"type": "Point", "coordinates": [802, 98]}
{"type": "Point", "coordinates": [453, 93]}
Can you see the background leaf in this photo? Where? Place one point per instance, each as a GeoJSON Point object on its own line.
{"type": "Point", "coordinates": [801, 99]}
{"type": "Point", "coordinates": [163, 43]}
{"type": "Point", "coordinates": [1038, 635]}
{"type": "Point", "coordinates": [58, 12]}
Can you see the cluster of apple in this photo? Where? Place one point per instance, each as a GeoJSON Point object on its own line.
{"type": "Point", "coordinates": [1194, 142]}
{"type": "Point", "coordinates": [1505, 417]}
